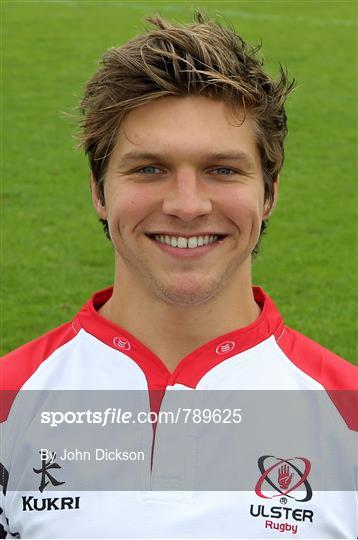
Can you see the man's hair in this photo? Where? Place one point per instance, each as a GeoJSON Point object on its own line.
{"type": "Point", "coordinates": [199, 59]}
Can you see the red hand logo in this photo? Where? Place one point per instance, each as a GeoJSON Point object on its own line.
{"type": "Point", "coordinates": [284, 477]}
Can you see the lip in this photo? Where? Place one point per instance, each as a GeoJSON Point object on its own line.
{"type": "Point", "coordinates": [185, 235]}
{"type": "Point", "coordinates": [186, 253]}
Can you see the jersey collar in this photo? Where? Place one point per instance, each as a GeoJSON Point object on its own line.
{"type": "Point", "coordinates": [196, 364]}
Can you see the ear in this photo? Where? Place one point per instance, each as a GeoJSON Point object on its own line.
{"type": "Point", "coordinates": [97, 201]}
{"type": "Point", "coordinates": [268, 205]}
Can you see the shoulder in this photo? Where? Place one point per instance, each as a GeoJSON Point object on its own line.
{"type": "Point", "coordinates": [327, 368]}
{"type": "Point", "coordinates": [19, 365]}
{"type": "Point", "coordinates": [337, 376]}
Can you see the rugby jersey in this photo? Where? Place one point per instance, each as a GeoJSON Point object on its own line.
{"type": "Point", "coordinates": [260, 479]}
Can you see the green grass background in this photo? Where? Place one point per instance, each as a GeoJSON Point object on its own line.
{"type": "Point", "coordinates": [53, 251]}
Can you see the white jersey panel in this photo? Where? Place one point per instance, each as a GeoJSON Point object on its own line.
{"type": "Point", "coordinates": [263, 367]}
{"type": "Point", "coordinates": [85, 363]}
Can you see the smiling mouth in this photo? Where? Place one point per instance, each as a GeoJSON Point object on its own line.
{"type": "Point", "coordinates": [191, 242]}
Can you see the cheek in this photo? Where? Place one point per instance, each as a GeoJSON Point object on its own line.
{"type": "Point", "coordinates": [244, 208]}
{"type": "Point", "coordinates": [127, 208]}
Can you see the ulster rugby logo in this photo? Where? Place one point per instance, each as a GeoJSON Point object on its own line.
{"type": "Point", "coordinates": [284, 476]}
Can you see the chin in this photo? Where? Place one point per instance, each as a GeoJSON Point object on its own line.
{"type": "Point", "coordinates": [188, 294]}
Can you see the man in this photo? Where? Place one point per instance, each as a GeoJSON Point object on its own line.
{"type": "Point", "coordinates": [185, 136]}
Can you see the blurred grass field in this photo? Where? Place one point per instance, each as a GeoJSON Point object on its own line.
{"type": "Point", "coordinates": [53, 251]}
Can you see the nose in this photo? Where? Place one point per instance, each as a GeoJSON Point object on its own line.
{"type": "Point", "coordinates": [186, 197]}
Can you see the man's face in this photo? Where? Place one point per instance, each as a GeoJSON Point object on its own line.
{"type": "Point", "coordinates": [184, 199]}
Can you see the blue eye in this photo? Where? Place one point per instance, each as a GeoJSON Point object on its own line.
{"type": "Point", "coordinates": [148, 169]}
{"type": "Point", "coordinates": [224, 171]}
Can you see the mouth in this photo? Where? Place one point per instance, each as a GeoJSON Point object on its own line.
{"type": "Point", "coordinates": [187, 242]}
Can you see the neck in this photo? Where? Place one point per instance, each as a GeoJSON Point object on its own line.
{"type": "Point", "coordinates": [171, 331]}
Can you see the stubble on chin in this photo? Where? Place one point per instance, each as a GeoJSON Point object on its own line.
{"type": "Point", "coordinates": [186, 295]}
{"type": "Point", "coordinates": [191, 291]}
{"type": "Point", "coordinates": [178, 290]}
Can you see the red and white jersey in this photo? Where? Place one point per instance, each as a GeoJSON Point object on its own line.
{"type": "Point", "coordinates": [286, 496]}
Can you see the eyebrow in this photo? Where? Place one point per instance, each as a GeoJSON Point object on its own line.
{"type": "Point", "coordinates": [135, 155]}
{"type": "Point", "coordinates": [233, 156]}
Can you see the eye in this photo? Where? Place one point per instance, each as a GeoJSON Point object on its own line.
{"type": "Point", "coordinates": [148, 169]}
{"type": "Point", "coordinates": [225, 171]}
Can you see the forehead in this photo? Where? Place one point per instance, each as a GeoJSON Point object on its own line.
{"type": "Point", "coordinates": [186, 127]}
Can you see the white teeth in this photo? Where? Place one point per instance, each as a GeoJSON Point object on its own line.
{"type": "Point", "coordinates": [183, 243]}
{"type": "Point", "coordinates": [193, 242]}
